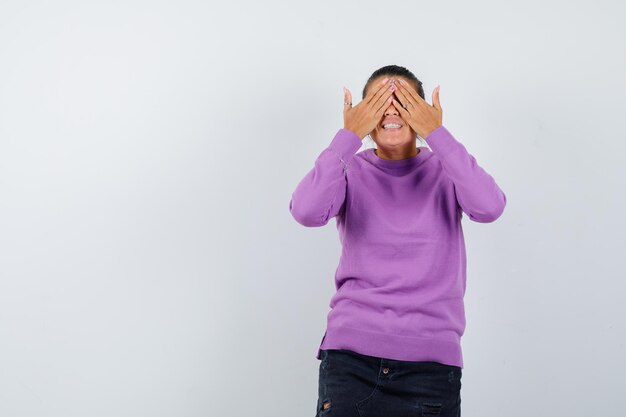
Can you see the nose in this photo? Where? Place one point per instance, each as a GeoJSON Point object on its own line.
{"type": "Point", "coordinates": [391, 110]}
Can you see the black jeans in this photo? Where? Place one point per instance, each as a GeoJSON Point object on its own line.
{"type": "Point", "coordinates": [356, 385]}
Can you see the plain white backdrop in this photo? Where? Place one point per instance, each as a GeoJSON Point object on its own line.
{"type": "Point", "coordinates": [149, 265]}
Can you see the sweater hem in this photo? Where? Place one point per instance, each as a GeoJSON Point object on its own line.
{"type": "Point", "coordinates": [392, 346]}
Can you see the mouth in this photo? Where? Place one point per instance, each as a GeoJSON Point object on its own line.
{"type": "Point", "coordinates": [392, 126]}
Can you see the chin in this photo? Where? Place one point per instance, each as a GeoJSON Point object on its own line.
{"type": "Point", "coordinates": [394, 139]}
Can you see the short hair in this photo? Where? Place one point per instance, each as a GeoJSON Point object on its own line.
{"type": "Point", "coordinates": [398, 71]}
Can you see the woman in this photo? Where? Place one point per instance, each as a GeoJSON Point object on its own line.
{"type": "Point", "coordinates": [392, 342]}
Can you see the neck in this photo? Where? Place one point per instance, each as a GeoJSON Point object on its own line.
{"type": "Point", "coordinates": [397, 154]}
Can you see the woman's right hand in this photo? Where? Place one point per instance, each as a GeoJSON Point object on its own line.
{"type": "Point", "coordinates": [363, 118]}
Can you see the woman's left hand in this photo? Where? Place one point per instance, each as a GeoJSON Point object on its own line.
{"type": "Point", "coordinates": [421, 116]}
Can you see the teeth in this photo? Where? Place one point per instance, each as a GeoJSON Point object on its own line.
{"type": "Point", "coordinates": [392, 126]}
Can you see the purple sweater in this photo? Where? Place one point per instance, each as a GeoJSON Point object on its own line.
{"type": "Point", "coordinates": [402, 271]}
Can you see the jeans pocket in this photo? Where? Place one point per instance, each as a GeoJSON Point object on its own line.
{"type": "Point", "coordinates": [362, 405]}
{"type": "Point", "coordinates": [348, 379]}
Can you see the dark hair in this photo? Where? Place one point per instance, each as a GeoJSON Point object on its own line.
{"type": "Point", "coordinates": [395, 70]}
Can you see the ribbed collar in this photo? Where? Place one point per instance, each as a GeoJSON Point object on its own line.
{"type": "Point", "coordinates": [408, 163]}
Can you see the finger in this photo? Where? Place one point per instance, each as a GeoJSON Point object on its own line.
{"type": "Point", "coordinates": [403, 112]}
{"type": "Point", "coordinates": [410, 92]}
{"type": "Point", "coordinates": [383, 106]}
{"type": "Point", "coordinates": [412, 100]}
{"type": "Point", "coordinates": [384, 100]}
{"type": "Point", "coordinates": [436, 101]}
{"type": "Point", "coordinates": [347, 98]}
{"type": "Point", "coordinates": [403, 99]}
{"type": "Point", "coordinates": [377, 93]}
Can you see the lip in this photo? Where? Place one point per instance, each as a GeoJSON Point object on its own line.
{"type": "Point", "coordinates": [396, 121]}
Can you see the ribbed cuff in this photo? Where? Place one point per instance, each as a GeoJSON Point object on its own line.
{"type": "Point", "coordinates": [345, 143]}
{"type": "Point", "coordinates": [441, 140]}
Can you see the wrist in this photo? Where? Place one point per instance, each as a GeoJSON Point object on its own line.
{"type": "Point", "coordinates": [355, 131]}
{"type": "Point", "coordinates": [430, 130]}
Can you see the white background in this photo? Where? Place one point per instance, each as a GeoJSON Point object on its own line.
{"type": "Point", "coordinates": [149, 265]}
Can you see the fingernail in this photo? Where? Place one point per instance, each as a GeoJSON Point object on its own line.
{"type": "Point", "coordinates": [402, 82]}
{"type": "Point", "coordinates": [385, 80]}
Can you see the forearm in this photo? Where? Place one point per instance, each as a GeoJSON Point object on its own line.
{"type": "Point", "coordinates": [476, 191]}
{"type": "Point", "coordinates": [321, 193]}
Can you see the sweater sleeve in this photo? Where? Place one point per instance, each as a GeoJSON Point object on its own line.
{"type": "Point", "coordinates": [321, 193]}
{"type": "Point", "coordinates": [476, 191]}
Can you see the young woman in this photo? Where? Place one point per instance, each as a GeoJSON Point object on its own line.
{"type": "Point", "coordinates": [392, 342]}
